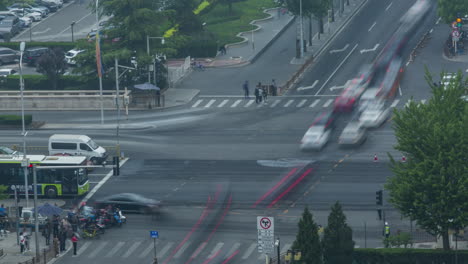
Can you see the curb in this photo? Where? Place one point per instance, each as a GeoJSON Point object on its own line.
{"type": "Point", "coordinates": [296, 77]}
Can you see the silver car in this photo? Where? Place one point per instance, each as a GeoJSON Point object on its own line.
{"type": "Point", "coordinates": [353, 134]}
{"type": "Point", "coordinates": [315, 138]}
{"type": "Point", "coordinates": [374, 116]}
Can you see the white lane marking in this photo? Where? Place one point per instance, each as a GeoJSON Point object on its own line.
{"type": "Point", "coordinates": [236, 103]}
{"type": "Point", "coordinates": [76, 22]}
{"type": "Point", "coordinates": [93, 182]}
{"type": "Point", "coordinates": [182, 249]}
{"type": "Point", "coordinates": [99, 185]}
{"type": "Point", "coordinates": [215, 249]}
{"type": "Point", "coordinates": [41, 32]}
{"type": "Point", "coordinates": [337, 68]}
{"type": "Point", "coordinates": [339, 50]}
{"type": "Point", "coordinates": [223, 103]}
{"type": "Point", "coordinates": [131, 249]}
{"type": "Point", "coordinates": [423, 101]}
{"type": "Point", "coordinates": [388, 7]}
{"type": "Point", "coordinates": [197, 103]}
{"type": "Point", "coordinates": [249, 103]}
{"type": "Point", "coordinates": [275, 103]}
{"type": "Point", "coordinates": [308, 87]}
{"type": "Point", "coordinates": [430, 31]}
{"type": "Point", "coordinates": [327, 103]}
{"type": "Point", "coordinates": [285, 248]}
{"type": "Point", "coordinates": [99, 248]}
{"type": "Point", "coordinates": [289, 103]}
{"type": "Point", "coordinates": [165, 249]}
{"type": "Point", "coordinates": [337, 87]}
{"type": "Point", "coordinates": [301, 103]}
{"type": "Point", "coordinates": [210, 103]}
{"type": "Point", "coordinates": [83, 248]}
{"type": "Point", "coordinates": [199, 249]}
{"type": "Point", "coordinates": [395, 103]}
{"type": "Point", "coordinates": [115, 249]}
{"type": "Point", "coordinates": [97, 174]}
{"type": "Point", "coordinates": [148, 249]}
{"type": "Point", "coordinates": [233, 249]}
{"type": "Point", "coordinates": [438, 20]}
{"type": "Point", "coordinates": [399, 90]}
{"type": "Point", "coordinates": [315, 103]}
{"type": "Point", "coordinates": [369, 50]}
{"type": "Point", "coordinates": [407, 63]}
{"type": "Point", "coordinates": [373, 25]}
{"type": "Point", "coordinates": [249, 251]}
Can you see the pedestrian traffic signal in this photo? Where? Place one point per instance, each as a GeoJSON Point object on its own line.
{"type": "Point", "coordinates": [459, 22]}
{"type": "Point", "coordinates": [379, 197]}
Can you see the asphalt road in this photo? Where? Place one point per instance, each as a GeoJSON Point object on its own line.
{"type": "Point", "coordinates": [217, 166]}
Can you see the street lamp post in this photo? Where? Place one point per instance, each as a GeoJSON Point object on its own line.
{"type": "Point", "coordinates": [277, 244]}
{"type": "Point", "coordinates": [25, 167]}
{"type": "Point", "coordinates": [99, 75]}
{"type": "Point", "coordinates": [302, 29]}
{"type": "Point", "coordinates": [36, 220]}
{"type": "Point", "coordinates": [71, 25]}
{"type": "Point", "coordinates": [148, 52]}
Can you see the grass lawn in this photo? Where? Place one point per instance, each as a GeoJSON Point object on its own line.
{"type": "Point", "coordinates": [227, 25]}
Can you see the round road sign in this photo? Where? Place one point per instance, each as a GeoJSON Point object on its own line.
{"type": "Point", "coordinates": [455, 34]}
{"type": "Point", "coordinates": [265, 223]}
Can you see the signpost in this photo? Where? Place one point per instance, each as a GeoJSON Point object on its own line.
{"type": "Point", "coordinates": [455, 38]}
{"type": "Point", "coordinates": [154, 235]}
{"type": "Point", "coordinates": [266, 235]}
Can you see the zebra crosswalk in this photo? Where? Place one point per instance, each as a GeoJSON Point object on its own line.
{"type": "Point", "coordinates": [95, 249]}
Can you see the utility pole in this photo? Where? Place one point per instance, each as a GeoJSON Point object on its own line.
{"type": "Point", "coordinates": [117, 101]}
{"type": "Point", "coordinates": [24, 162]}
{"type": "Point", "coordinates": [302, 29]}
{"type": "Point", "coordinates": [99, 71]}
{"type": "Point", "coordinates": [36, 220]}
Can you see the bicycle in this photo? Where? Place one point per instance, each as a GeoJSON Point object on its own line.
{"type": "Point", "coordinates": [91, 233]}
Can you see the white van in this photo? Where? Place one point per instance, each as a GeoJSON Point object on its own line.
{"type": "Point", "coordinates": [77, 145]}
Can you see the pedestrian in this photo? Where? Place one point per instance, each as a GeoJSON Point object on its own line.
{"type": "Point", "coordinates": [26, 241]}
{"type": "Point", "coordinates": [55, 224]}
{"type": "Point", "coordinates": [56, 246]}
{"type": "Point", "coordinates": [265, 94]}
{"type": "Point", "coordinates": [245, 86]}
{"type": "Point", "coordinates": [22, 242]}
{"type": "Point", "coordinates": [273, 87]}
{"type": "Point", "coordinates": [223, 49]}
{"type": "Point", "coordinates": [257, 95]}
{"type": "Point", "coordinates": [46, 234]}
{"type": "Point", "coordinates": [62, 239]}
{"type": "Point", "coordinates": [74, 240]}
{"type": "Point", "coordinates": [387, 230]}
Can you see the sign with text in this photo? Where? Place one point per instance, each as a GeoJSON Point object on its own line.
{"type": "Point", "coordinates": [266, 234]}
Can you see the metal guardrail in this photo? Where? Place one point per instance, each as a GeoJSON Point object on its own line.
{"type": "Point", "coordinates": [62, 93]}
{"type": "Point", "coordinates": [41, 150]}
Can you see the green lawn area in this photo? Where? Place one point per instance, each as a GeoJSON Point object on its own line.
{"type": "Point", "coordinates": [227, 25]}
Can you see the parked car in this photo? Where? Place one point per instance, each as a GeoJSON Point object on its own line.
{"type": "Point", "coordinates": [27, 12]}
{"type": "Point", "coordinates": [57, 2]}
{"type": "Point", "coordinates": [25, 22]}
{"type": "Point", "coordinates": [31, 55]}
{"type": "Point", "coordinates": [8, 13]}
{"type": "Point", "coordinates": [53, 7]}
{"type": "Point", "coordinates": [27, 218]}
{"type": "Point", "coordinates": [70, 56]}
{"type": "Point", "coordinates": [41, 9]}
{"type": "Point", "coordinates": [5, 73]}
{"type": "Point", "coordinates": [9, 27]}
{"type": "Point", "coordinates": [130, 203]}
{"type": "Point", "coordinates": [8, 55]}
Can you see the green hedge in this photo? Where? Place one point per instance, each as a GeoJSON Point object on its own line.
{"type": "Point", "coordinates": [68, 82]}
{"type": "Point", "coordinates": [406, 256]}
{"type": "Point", "coordinates": [64, 45]}
{"type": "Point", "coordinates": [13, 120]}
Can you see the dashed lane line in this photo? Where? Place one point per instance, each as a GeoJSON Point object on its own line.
{"type": "Point", "coordinates": [301, 103]}
{"type": "Point", "coordinates": [288, 103]}
{"type": "Point", "coordinates": [328, 103]}
{"type": "Point", "coordinates": [315, 103]}
{"type": "Point", "coordinates": [197, 103]}
{"type": "Point", "coordinates": [236, 103]}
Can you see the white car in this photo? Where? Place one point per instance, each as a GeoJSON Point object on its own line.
{"type": "Point", "coordinates": [6, 72]}
{"type": "Point", "coordinates": [26, 20]}
{"type": "Point", "coordinates": [353, 134]}
{"type": "Point", "coordinates": [26, 12]}
{"type": "Point", "coordinates": [315, 138]}
{"type": "Point", "coordinates": [374, 116]}
{"type": "Point", "coordinates": [71, 55]}
{"type": "Point", "coordinates": [57, 2]}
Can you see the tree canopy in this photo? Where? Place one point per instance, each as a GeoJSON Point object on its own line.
{"type": "Point", "coordinates": [307, 239]}
{"type": "Point", "coordinates": [338, 244]}
{"type": "Point", "coordinates": [52, 64]}
{"type": "Point", "coordinates": [432, 186]}
{"type": "Point", "coordinates": [448, 9]}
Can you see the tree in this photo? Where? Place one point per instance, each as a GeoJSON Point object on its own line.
{"type": "Point", "coordinates": [431, 187]}
{"type": "Point", "coordinates": [229, 3]}
{"type": "Point", "coordinates": [307, 11]}
{"type": "Point", "coordinates": [448, 9]}
{"type": "Point", "coordinates": [3, 192]}
{"type": "Point", "coordinates": [52, 64]}
{"type": "Point", "coordinates": [338, 244]}
{"type": "Point", "coordinates": [183, 16]}
{"type": "Point", "coordinates": [307, 239]}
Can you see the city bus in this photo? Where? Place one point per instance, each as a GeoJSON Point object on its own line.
{"type": "Point", "coordinates": [51, 182]}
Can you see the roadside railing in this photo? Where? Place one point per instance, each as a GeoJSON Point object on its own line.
{"type": "Point", "coordinates": [45, 256]}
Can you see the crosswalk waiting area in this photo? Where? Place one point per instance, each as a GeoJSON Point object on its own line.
{"type": "Point", "coordinates": [175, 250]}
{"type": "Point", "coordinates": [271, 102]}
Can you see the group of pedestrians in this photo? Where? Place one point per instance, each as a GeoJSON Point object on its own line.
{"type": "Point", "coordinates": [261, 92]}
{"type": "Point", "coordinates": [61, 228]}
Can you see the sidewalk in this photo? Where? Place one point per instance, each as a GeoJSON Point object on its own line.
{"type": "Point", "coordinates": [11, 250]}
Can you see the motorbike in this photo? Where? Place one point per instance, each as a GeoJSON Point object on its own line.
{"type": "Point", "coordinates": [118, 221]}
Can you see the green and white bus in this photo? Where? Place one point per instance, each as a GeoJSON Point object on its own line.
{"type": "Point", "coordinates": [50, 182]}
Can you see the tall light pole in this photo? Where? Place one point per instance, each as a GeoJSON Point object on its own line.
{"type": "Point", "coordinates": [277, 244]}
{"type": "Point", "coordinates": [25, 167]}
{"type": "Point", "coordinates": [71, 25]}
{"type": "Point", "coordinates": [302, 29]}
{"type": "Point", "coordinates": [148, 52]}
{"type": "Point", "coordinates": [36, 220]}
{"type": "Point", "coordinates": [99, 57]}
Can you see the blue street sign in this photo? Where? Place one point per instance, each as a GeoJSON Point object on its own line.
{"type": "Point", "coordinates": [154, 234]}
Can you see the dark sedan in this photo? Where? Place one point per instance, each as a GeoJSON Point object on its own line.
{"type": "Point", "coordinates": [130, 203]}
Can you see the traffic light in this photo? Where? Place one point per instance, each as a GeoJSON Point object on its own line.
{"type": "Point", "coordinates": [379, 197]}
{"type": "Point", "coordinates": [116, 168]}
{"type": "Point", "coordinates": [379, 213]}
{"type": "Point", "coordinates": [459, 22]}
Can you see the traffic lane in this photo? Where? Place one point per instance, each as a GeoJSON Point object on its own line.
{"type": "Point", "coordinates": [59, 23]}
{"type": "Point", "coordinates": [348, 38]}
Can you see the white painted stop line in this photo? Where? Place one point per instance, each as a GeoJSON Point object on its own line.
{"type": "Point", "coordinates": [236, 103]}
{"type": "Point", "coordinates": [210, 103]}
{"type": "Point", "coordinates": [315, 103]}
{"type": "Point", "coordinates": [223, 103]}
{"type": "Point", "coordinates": [288, 103]}
{"type": "Point", "coordinates": [301, 103]}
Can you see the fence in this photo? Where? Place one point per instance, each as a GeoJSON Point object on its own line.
{"type": "Point", "coordinates": [177, 73]}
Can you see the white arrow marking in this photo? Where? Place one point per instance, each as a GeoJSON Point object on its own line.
{"type": "Point", "coordinates": [308, 87]}
{"type": "Point", "coordinates": [41, 32]}
{"type": "Point", "coordinates": [336, 87]}
{"type": "Point", "coordinates": [339, 50]}
{"type": "Point", "coordinates": [368, 50]}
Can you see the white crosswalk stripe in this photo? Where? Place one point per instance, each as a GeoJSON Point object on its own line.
{"type": "Point", "coordinates": [131, 249]}
{"type": "Point", "coordinates": [148, 249]}
{"type": "Point", "coordinates": [165, 249]}
{"type": "Point", "coordinates": [197, 103]}
{"type": "Point", "coordinates": [395, 102]}
{"type": "Point", "coordinates": [98, 249]}
{"type": "Point", "coordinates": [216, 249]}
{"type": "Point", "coordinates": [249, 251]}
{"type": "Point", "coordinates": [199, 249]}
{"type": "Point", "coordinates": [315, 103]}
{"type": "Point", "coordinates": [233, 249]}
{"type": "Point", "coordinates": [328, 103]}
{"type": "Point", "coordinates": [115, 249]}
{"type": "Point", "coordinates": [289, 103]}
{"type": "Point", "coordinates": [210, 103]}
{"type": "Point", "coordinates": [249, 103]}
{"type": "Point", "coordinates": [301, 103]}
{"type": "Point", "coordinates": [83, 247]}
{"type": "Point", "coordinates": [275, 103]}
{"type": "Point", "coordinates": [223, 103]}
{"type": "Point", "coordinates": [181, 250]}
{"type": "Point", "coordinates": [236, 103]}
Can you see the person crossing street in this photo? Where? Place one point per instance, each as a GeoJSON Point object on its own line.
{"type": "Point", "coordinates": [74, 240]}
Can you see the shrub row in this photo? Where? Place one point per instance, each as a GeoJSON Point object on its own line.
{"type": "Point", "coordinates": [40, 82]}
{"type": "Point", "coordinates": [15, 120]}
{"type": "Point", "coordinates": [404, 256]}
{"type": "Point", "coordinates": [52, 44]}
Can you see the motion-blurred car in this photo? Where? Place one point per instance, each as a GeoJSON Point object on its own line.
{"type": "Point", "coordinates": [374, 116]}
{"type": "Point", "coordinates": [353, 134]}
{"type": "Point", "coordinates": [5, 73]}
{"type": "Point", "coordinates": [315, 138]}
{"type": "Point", "coordinates": [70, 56]}
{"type": "Point", "coordinates": [9, 151]}
{"type": "Point", "coordinates": [130, 203]}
